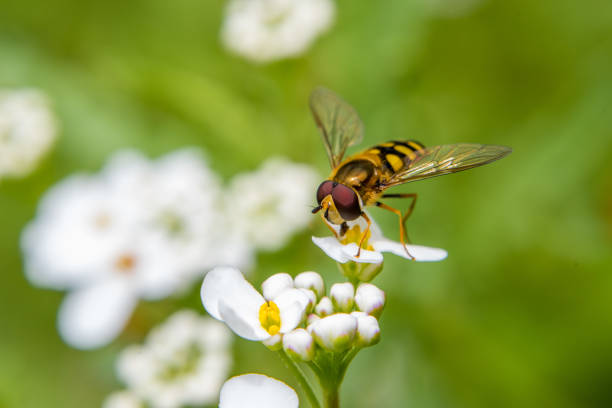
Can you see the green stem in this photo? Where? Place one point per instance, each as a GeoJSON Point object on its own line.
{"type": "Point", "coordinates": [301, 378]}
{"type": "Point", "coordinates": [331, 397]}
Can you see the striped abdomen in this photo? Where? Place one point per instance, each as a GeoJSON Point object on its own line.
{"type": "Point", "coordinates": [395, 155]}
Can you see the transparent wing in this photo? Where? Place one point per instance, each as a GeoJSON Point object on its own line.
{"type": "Point", "coordinates": [438, 160]}
{"type": "Point", "coordinates": [338, 122]}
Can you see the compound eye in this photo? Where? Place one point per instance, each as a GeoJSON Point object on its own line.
{"type": "Point", "coordinates": [324, 190]}
{"type": "Point", "coordinates": [347, 202]}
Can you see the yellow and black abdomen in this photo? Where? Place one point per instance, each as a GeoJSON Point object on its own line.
{"type": "Point", "coordinates": [395, 155]}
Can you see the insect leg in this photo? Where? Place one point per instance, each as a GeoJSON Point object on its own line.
{"type": "Point", "coordinates": [401, 224]}
{"type": "Point", "coordinates": [322, 214]}
{"type": "Point", "coordinates": [365, 233]}
{"type": "Point", "coordinates": [410, 209]}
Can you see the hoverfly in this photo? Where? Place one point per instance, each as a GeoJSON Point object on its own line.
{"type": "Point", "coordinates": [362, 179]}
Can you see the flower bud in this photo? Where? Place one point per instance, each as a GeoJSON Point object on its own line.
{"type": "Point", "coordinates": [370, 299]}
{"type": "Point", "coordinates": [336, 332]}
{"type": "Point", "coordinates": [324, 307]}
{"type": "Point", "coordinates": [342, 295]}
{"type": "Point", "coordinates": [312, 299]}
{"type": "Point", "coordinates": [276, 284]}
{"type": "Point", "coordinates": [312, 318]}
{"type": "Point", "coordinates": [368, 330]}
{"type": "Point", "coordinates": [299, 344]}
{"type": "Point", "coordinates": [312, 281]}
{"type": "Point", "coordinates": [274, 343]}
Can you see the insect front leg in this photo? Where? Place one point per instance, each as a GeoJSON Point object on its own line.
{"type": "Point", "coordinates": [365, 233]}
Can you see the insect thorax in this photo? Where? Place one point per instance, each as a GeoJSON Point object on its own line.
{"type": "Point", "coordinates": [360, 174]}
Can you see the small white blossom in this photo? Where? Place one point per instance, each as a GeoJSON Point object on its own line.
{"type": "Point", "coordinates": [370, 299]}
{"type": "Point", "coordinates": [183, 362]}
{"type": "Point", "coordinates": [257, 391]}
{"type": "Point", "coordinates": [267, 30]}
{"type": "Point", "coordinates": [346, 249]}
{"type": "Point", "coordinates": [122, 399]}
{"type": "Point", "coordinates": [341, 295]}
{"type": "Point", "coordinates": [27, 130]}
{"type": "Point", "coordinates": [311, 280]}
{"type": "Point", "coordinates": [299, 344]}
{"type": "Point", "coordinates": [270, 204]}
{"type": "Point", "coordinates": [229, 297]}
{"type": "Point", "coordinates": [335, 332]}
{"type": "Point", "coordinates": [368, 330]}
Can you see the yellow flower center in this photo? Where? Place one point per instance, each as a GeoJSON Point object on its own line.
{"type": "Point", "coordinates": [269, 317]}
{"type": "Point", "coordinates": [353, 235]}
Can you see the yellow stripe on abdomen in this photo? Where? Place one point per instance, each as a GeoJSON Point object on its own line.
{"type": "Point", "coordinates": [395, 161]}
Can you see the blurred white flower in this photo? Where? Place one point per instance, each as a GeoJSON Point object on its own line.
{"type": "Point", "coordinates": [346, 249]}
{"type": "Point", "coordinates": [122, 399]}
{"type": "Point", "coordinates": [183, 362]}
{"type": "Point", "coordinates": [138, 229]}
{"type": "Point", "coordinates": [267, 30]}
{"type": "Point", "coordinates": [27, 130]}
{"type": "Point", "coordinates": [257, 391]}
{"type": "Point", "coordinates": [272, 203]}
{"type": "Point", "coordinates": [229, 297]}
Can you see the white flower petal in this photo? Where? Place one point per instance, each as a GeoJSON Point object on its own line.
{"type": "Point", "coordinates": [345, 253]}
{"type": "Point", "coordinates": [242, 316]}
{"type": "Point", "coordinates": [223, 282]}
{"type": "Point", "coordinates": [275, 284]}
{"type": "Point", "coordinates": [420, 253]}
{"type": "Point", "coordinates": [93, 316]}
{"type": "Point", "coordinates": [257, 391]}
{"type": "Point", "coordinates": [292, 305]}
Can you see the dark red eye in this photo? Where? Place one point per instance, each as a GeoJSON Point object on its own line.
{"type": "Point", "coordinates": [346, 201]}
{"type": "Point", "coordinates": [324, 190]}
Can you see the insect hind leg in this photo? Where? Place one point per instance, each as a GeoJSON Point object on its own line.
{"type": "Point", "coordinates": [402, 218]}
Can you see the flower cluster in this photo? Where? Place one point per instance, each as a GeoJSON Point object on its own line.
{"type": "Point", "coordinates": [296, 317]}
{"type": "Point", "coordinates": [148, 229]}
{"type": "Point", "coordinates": [27, 130]}
{"type": "Point", "coordinates": [183, 362]}
{"type": "Point", "coordinates": [267, 30]}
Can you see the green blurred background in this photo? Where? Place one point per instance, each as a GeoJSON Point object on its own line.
{"type": "Point", "coordinates": [519, 315]}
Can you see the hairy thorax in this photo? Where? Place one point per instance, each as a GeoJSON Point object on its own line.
{"type": "Point", "coordinates": [362, 175]}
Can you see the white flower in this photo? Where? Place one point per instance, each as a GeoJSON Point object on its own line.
{"type": "Point", "coordinates": [138, 229]}
{"type": "Point", "coordinates": [346, 250]}
{"type": "Point", "coordinates": [257, 391]}
{"type": "Point", "coordinates": [270, 204]}
{"type": "Point", "coordinates": [267, 30]}
{"type": "Point", "coordinates": [335, 332]}
{"type": "Point", "coordinates": [183, 362]}
{"type": "Point", "coordinates": [27, 130]}
{"type": "Point", "coordinates": [370, 299]}
{"type": "Point", "coordinates": [229, 297]}
{"type": "Point", "coordinates": [122, 399]}
{"type": "Point", "coordinates": [299, 344]}
{"type": "Point", "coordinates": [342, 295]}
